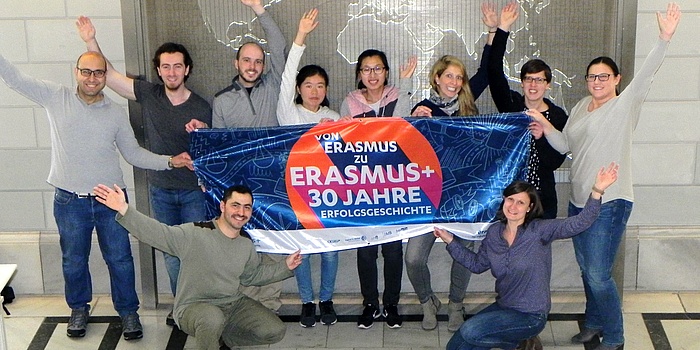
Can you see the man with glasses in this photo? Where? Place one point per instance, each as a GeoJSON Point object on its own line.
{"type": "Point", "coordinates": [251, 101]}
{"type": "Point", "coordinates": [87, 128]}
{"type": "Point", "coordinates": [175, 196]}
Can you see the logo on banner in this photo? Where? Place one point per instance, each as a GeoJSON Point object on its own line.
{"type": "Point", "coordinates": [365, 172]}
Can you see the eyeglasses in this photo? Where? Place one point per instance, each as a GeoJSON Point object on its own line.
{"type": "Point", "coordinates": [98, 73]}
{"type": "Point", "coordinates": [536, 80]}
{"type": "Point", "coordinates": [601, 77]}
{"type": "Point", "coordinates": [368, 70]}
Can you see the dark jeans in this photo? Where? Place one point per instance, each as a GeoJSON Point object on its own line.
{"type": "Point", "coordinates": [393, 270]}
{"type": "Point", "coordinates": [76, 218]}
{"type": "Point", "coordinates": [175, 207]}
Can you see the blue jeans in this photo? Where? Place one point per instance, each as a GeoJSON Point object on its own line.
{"type": "Point", "coordinates": [496, 327]}
{"type": "Point", "coordinates": [175, 207]}
{"type": "Point", "coordinates": [329, 269]}
{"type": "Point", "coordinates": [76, 218]}
{"type": "Point", "coordinates": [417, 252]}
{"type": "Point", "coordinates": [595, 253]}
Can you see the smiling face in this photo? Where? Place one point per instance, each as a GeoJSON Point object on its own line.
{"type": "Point", "coordinates": [602, 90]}
{"type": "Point", "coordinates": [534, 86]}
{"type": "Point", "coordinates": [450, 82]}
{"type": "Point", "coordinates": [374, 80]}
{"type": "Point", "coordinates": [250, 64]}
{"type": "Point", "coordinates": [90, 87]}
{"type": "Point", "coordinates": [172, 70]}
{"type": "Point", "coordinates": [236, 211]}
{"type": "Point", "coordinates": [516, 206]}
{"type": "Point", "coordinates": [312, 91]}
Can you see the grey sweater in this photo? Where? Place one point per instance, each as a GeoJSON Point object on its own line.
{"type": "Point", "coordinates": [233, 107]}
{"type": "Point", "coordinates": [605, 135]}
{"type": "Point", "coordinates": [84, 138]}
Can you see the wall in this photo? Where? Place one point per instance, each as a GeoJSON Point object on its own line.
{"type": "Point", "coordinates": [39, 36]}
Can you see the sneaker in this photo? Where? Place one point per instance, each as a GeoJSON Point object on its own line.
{"type": "Point", "coordinates": [77, 324]}
{"type": "Point", "coordinates": [328, 315]}
{"type": "Point", "coordinates": [169, 320]}
{"type": "Point", "coordinates": [131, 327]}
{"type": "Point", "coordinates": [369, 314]}
{"type": "Point", "coordinates": [391, 316]}
{"type": "Point", "coordinates": [308, 315]}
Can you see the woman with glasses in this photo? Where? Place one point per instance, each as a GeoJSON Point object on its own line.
{"type": "Point", "coordinates": [600, 130]}
{"type": "Point", "coordinates": [535, 77]}
{"type": "Point", "coordinates": [451, 94]}
{"type": "Point", "coordinates": [518, 251]}
{"type": "Point", "coordinates": [375, 98]}
{"type": "Point", "coordinates": [306, 102]}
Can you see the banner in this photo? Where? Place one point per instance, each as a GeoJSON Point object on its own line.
{"type": "Point", "coordinates": [342, 185]}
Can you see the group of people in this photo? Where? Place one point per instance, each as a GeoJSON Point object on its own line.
{"type": "Point", "coordinates": [227, 293]}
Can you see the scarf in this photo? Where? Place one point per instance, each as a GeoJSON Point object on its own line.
{"type": "Point", "coordinates": [448, 106]}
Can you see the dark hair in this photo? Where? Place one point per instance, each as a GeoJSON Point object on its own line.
{"type": "Point", "coordinates": [172, 48]}
{"type": "Point", "coordinates": [238, 52]}
{"type": "Point", "coordinates": [608, 62]}
{"type": "Point", "coordinates": [535, 66]}
{"type": "Point", "coordinates": [310, 71]}
{"type": "Point", "coordinates": [516, 187]}
{"type": "Point", "coordinates": [366, 54]}
{"type": "Point", "coordinates": [242, 189]}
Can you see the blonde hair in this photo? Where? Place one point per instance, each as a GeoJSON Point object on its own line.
{"type": "Point", "coordinates": [465, 98]}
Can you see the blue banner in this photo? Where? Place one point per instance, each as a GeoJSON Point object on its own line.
{"type": "Point", "coordinates": [342, 185]}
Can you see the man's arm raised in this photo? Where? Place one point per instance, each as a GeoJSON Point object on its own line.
{"type": "Point", "coordinates": [120, 83]}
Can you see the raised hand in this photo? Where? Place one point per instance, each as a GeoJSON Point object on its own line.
{"type": "Point", "coordinates": [308, 21]}
{"type": "Point", "coordinates": [408, 68]}
{"type": "Point", "coordinates": [509, 14]}
{"type": "Point", "coordinates": [669, 23]}
{"type": "Point", "coordinates": [489, 15]}
{"type": "Point", "coordinates": [113, 198]}
{"type": "Point", "coordinates": [85, 29]}
{"type": "Point", "coordinates": [255, 5]}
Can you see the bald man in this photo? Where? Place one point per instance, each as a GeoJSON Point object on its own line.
{"type": "Point", "coordinates": [87, 128]}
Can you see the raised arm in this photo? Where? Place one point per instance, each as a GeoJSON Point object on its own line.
{"type": "Point", "coordinates": [403, 105]}
{"type": "Point", "coordinates": [120, 83]}
{"type": "Point", "coordinates": [286, 106]}
{"type": "Point", "coordinates": [480, 80]}
{"type": "Point", "coordinates": [505, 99]}
{"type": "Point", "coordinates": [275, 39]}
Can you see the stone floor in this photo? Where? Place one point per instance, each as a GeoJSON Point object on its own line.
{"type": "Point", "coordinates": [656, 321]}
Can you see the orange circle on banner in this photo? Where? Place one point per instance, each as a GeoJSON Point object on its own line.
{"type": "Point", "coordinates": [364, 172]}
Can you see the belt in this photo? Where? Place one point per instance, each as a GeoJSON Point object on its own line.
{"type": "Point", "coordinates": [84, 195]}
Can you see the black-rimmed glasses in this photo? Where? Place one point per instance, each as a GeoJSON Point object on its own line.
{"type": "Point", "coordinates": [98, 73]}
{"type": "Point", "coordinates": [601, 77]}
{"type": "Point", "coordinates": [368, 70]}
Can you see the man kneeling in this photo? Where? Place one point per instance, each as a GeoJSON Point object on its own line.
{"type": "Point", "coordinates": [216, 257]}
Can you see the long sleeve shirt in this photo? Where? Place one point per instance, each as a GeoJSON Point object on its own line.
{"type": "Point", "coordinates": [523, 270]}
{"type": "Point", "coordinates": [212, 265]}
{"type": "Point", "coordinates": [234, 107]}
{"type": "Point", "coordinates": [604, 135]}
{"type": "Point", "coordinates": [288, 111]}
{"type": "Point", "coordinates": [84, 137]}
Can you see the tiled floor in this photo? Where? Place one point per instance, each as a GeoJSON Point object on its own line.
{"type": "Point", "coordinates": [656, 321]}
